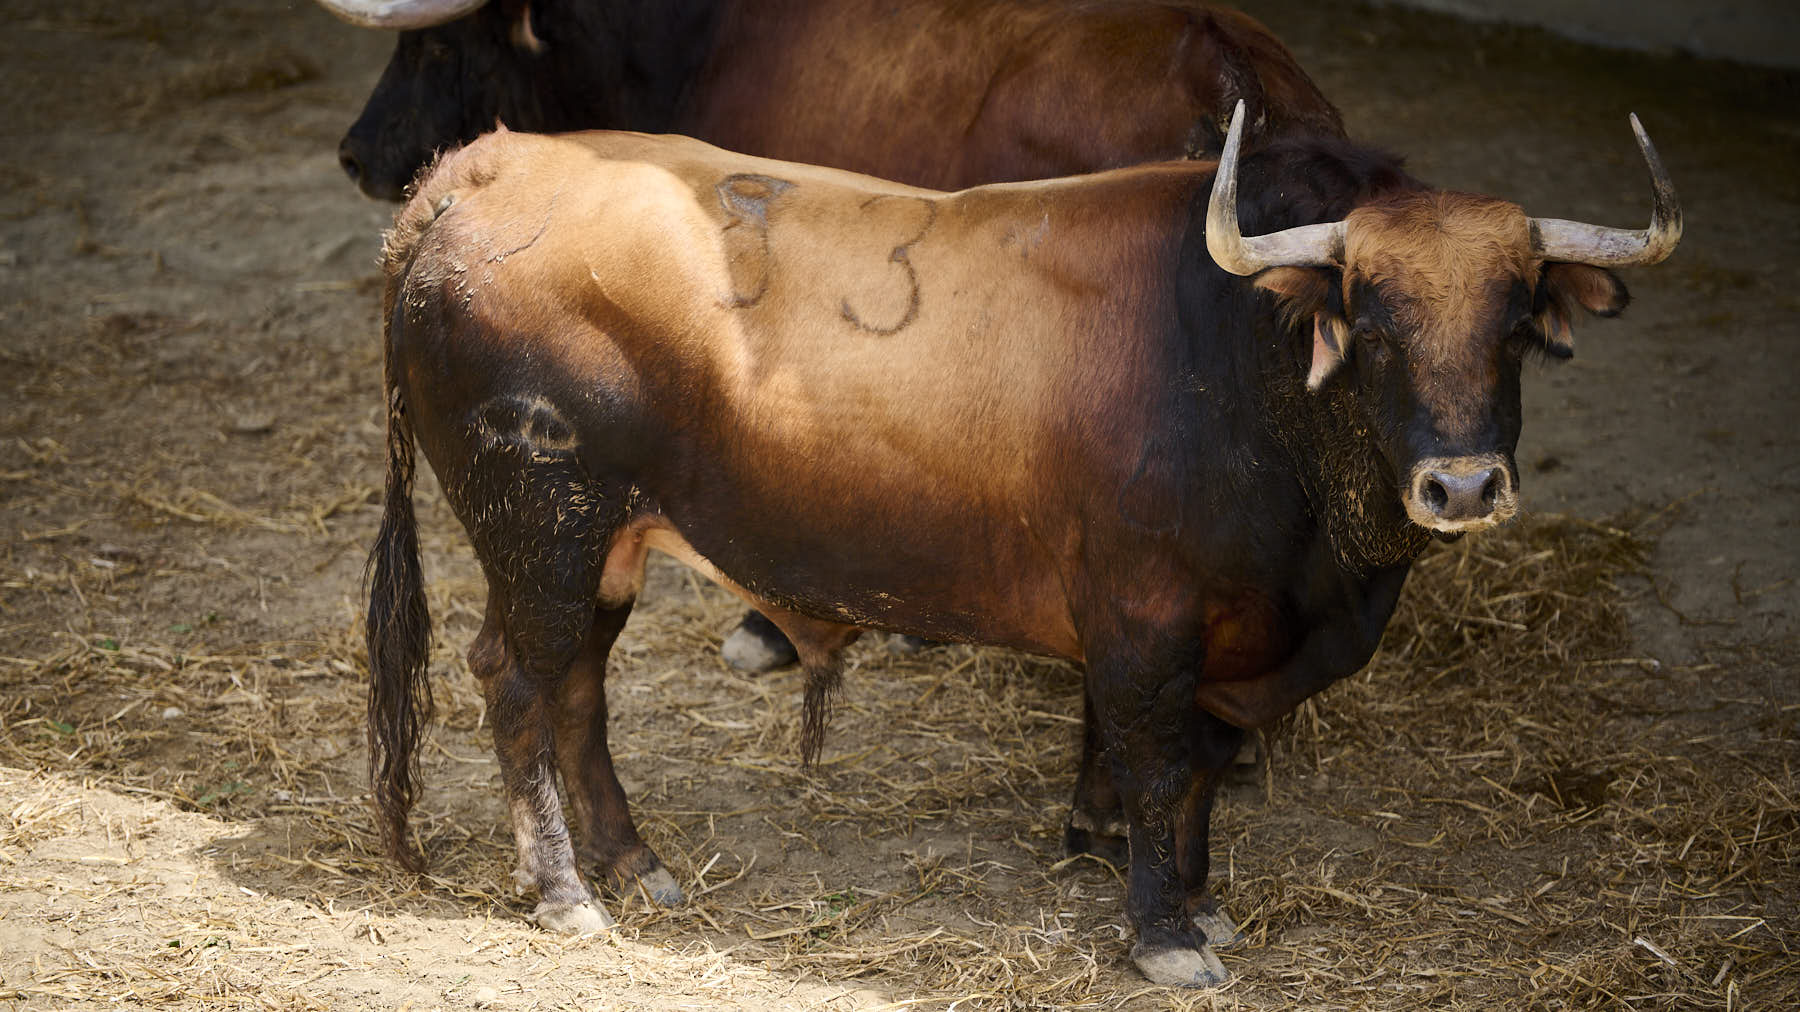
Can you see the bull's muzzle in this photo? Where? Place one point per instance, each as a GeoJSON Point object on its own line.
{"type": "Point", "coordinates": [1455, 495]}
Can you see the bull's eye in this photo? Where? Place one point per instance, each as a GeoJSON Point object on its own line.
{"type": "Point", "coordinates": [1528, 339]}
{"type": "Point", "coordinates": [1370, 342]}
{"type": "Point", "coordinates": [1524, 337]}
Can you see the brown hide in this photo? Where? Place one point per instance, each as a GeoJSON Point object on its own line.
{"type": "Point", "coordinates": [775, 325]}
{"type": "Point", "coordinates": [949, 95]}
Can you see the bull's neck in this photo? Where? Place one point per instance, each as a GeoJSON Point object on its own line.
{"type": "Point", "coordinates": [1352, 492]}
{"type": "Point", "coordinates": [1353, 495]}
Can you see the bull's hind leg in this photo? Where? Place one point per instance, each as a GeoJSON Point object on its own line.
{"type": "Point", "coordinates": [540, 526]}
{"type": "Point", "coordinates": [518, 707]}
{"type": "Point", "coordinates": [609, 838]}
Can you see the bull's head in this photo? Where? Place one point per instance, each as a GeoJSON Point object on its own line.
{"type": "Point", "coordinates": [455, 64]}
{"type": "Point", "coordinates": [1426, 302]}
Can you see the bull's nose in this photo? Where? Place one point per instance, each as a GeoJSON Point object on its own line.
{"type": "Point", "coordinates": [352, 164]}
{"type": "Point", "coordinates": [1461, 495]}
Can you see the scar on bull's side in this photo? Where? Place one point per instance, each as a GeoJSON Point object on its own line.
{"type": "Point", "coordinates": [530, 421]}
{"type": "Point", "coordinates": [901, 255]}
{"type": "Point", "coordinates": [507, 240]}
{"type": "Point", "coordinates": [745, 198]}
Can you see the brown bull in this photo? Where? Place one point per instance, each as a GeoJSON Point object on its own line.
{"type": "Point", "coordinates": [938, 93]}
{"type": "Point", "coordinates": [1047, 415]}
{"type": "Point", "coordinates": [943, 93]}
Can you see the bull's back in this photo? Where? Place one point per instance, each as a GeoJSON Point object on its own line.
{"type": "Point", "coordinates": [958, 94]}
{"type": "Point", "coordinates": [815, 306]}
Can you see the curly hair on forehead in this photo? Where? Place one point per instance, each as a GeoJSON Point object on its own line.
{"type": "Point", "coordinates": [1451, 257]}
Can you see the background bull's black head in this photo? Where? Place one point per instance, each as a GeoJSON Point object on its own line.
{"type": "Point", "coordinates": [539, 66]}
{"type": "Point", "coordinates": [443, 86]}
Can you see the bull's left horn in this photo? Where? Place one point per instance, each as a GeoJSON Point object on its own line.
{"type": "Point", "coordinates": [1307, 246]}
{"type": "Point", "coordinates": [1577, 242]}
{"type": "Point", "coordinates": [401, 14]}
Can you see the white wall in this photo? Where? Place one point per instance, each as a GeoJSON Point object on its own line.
{"type": "Point", "coordinates": [1765, 32]}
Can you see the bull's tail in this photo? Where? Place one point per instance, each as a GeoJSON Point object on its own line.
{"type": "Point", "coordinates": [399, 644]}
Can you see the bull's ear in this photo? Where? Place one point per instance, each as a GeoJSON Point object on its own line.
{"type": "Point", "coordinates": [1304, 294]}
{"type": "Point", "coordinates": [1330, 345]}
{"type": "Point", "coordinates": [1568, 289]}
{"type": "Point", "coordinates": [518, 12]}
{"type": "Point", "coordinates": [1594, 289]}
{"type": "Point", "coordinates": [1301, 291]}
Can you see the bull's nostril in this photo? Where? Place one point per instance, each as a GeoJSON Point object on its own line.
{"type": "Point", "coordinates": [1490, 491]}
{"type": "Point", "coordinates": [352, 167]}
{"type": "Point", "coordinates": [1434, 494]}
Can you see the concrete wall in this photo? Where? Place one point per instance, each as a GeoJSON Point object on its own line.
{"type": "Point", "coordinates": [1765, 32]}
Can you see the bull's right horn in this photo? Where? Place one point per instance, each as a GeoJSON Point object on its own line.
{"type": "Point", "coordinates": [401, 14]}
{"type": "Point", "coordinates": [1318, 245]}
{"type": "Point", "coordinates": [1581, 243]}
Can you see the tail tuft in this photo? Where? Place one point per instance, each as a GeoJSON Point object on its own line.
{"type": "Point", "coordinates": [399, 631]}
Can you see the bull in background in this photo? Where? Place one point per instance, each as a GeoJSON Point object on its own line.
{"type": "Point", "coordinates": [936, 93]}
{"type": "Point", "coordinates": [1086, 417]}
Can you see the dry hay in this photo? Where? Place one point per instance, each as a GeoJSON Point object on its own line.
{"type": "Point", "coordinates": [1502, 810]}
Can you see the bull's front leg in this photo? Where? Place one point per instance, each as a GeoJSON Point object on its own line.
{"type": "Point", "coordinates": [1097, 819]}
{"type": "Point", "coordinates": [1214, 745]}
{"type": "Point", "coordinates": [1144, 708]}
{"type": "Point", "coordinates": [1096, 824]}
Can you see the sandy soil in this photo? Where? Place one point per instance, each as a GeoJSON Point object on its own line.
{"type": "Point", "coordinates": [190, 467]}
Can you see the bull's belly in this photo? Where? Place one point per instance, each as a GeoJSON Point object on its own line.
{"type": "Point", "coordinates": [840, 585]}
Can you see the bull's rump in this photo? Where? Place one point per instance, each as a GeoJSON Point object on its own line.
{"type": "Point", "coordinates": [862, 401]}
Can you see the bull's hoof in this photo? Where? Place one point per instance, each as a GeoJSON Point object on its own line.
{"type": "Point", "coordinates": [1114, 850]}
{"type": "Point", "coordinates": [1180, 967]}
{"type": "Point", "coordinates": [661, 887]}
{"type": "Point", "coordinates": [1250, 752]}
{"type": "Point", "coordinates": [900, 643]}
{"type": "Point", "coordinates": [1217, 927]}
{"type": "Point", "coordinates": [1097, 834]}
{"type": "Point", "coordinates": [572, 918]}
{"type": "Point", "coordinates": [1104, 823]}
{"type": "Point", "coordinates": [639, 869]}
{"type": "Point", "coordinates": [756, 646]}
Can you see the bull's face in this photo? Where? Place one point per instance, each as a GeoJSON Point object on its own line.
{"type": "Point", "coordinates": [1439, 301]}
{"type": "Point", "coordinates": [1424, 304]}
{"type": "Point", "coordinates": [444, 86]}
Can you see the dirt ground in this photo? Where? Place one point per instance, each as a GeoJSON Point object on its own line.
{"type": "Point", "coordinates": [1570, 780]}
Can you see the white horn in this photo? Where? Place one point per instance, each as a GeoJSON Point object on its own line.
{"type": "Point", "coordinates": [1307, 246]}
{"type": "Point", "coordinates": [401, 14]}
{"type": "Point", "coordinates": [1577, 242]}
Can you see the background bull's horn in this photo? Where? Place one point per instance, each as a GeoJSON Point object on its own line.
{"type": "Point", "coordinates": [400, 13]}
{"type": "Point", "coordinates": [1580, 243]}
{"type": "Point", "coordinates": [1307, 246]}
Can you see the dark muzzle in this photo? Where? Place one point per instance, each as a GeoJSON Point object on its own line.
{"type": "Point", "coordinates": [1458, 494]}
